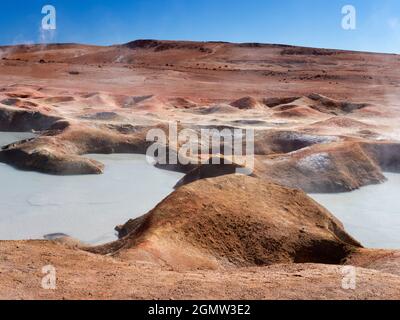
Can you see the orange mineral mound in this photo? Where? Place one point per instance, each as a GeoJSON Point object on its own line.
{"type": "Point", "coordinates": [298, 112]}
{"type": "Point", "coordinates": [182, 103]}
{"type": "Point", "coordinates": [246, 103]}
{"type": "Point", "coordinates": [329, 167]}
{"type": "Point", "coordinates": [216, 109]}
{"type": "Point", "coordinates": [22, 92]}
{"type": "Point", "coordinates": [233, 220]}
{"type": "Point", "coordinates": [332, 106]}
{"type": "Point", "coordinates": [273, 102]}
{"type": "Point", "coordinates": [343, 122]}
{"type": "Point", "coordinates": [19, 103]}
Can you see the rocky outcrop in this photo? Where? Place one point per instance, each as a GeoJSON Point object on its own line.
{"type": "Point", "coordinates": [311, 162]}
{"type": "Point", "coordinates": [277, 101]}
{"type": "Point", "coordinates": [15, 119]}
{"type": "Point", "coordinates": [182, 103]}
{"type": "Point", "coordinates": [59, 150]}
{"type": "Point", "coordinates": [284, 141]}
{"type": "Point", "coordinates": [324, 168]}
{"type": "Point", "coordinates": [234, 220]}
{"type": "Point", "coordinates": [159, 45]}
{"type": "Point", "coordinates": [328, 105]}
{"type": "Point", "coordinates": [246, 103]}
{"type": "Point", "coordinates": [312, 105]}
{"type": "Point", "coordinates": [210, 170]}
{"type": "Point", "coordinates": [385, 154]}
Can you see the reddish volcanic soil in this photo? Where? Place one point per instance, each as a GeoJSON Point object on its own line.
{"type": "Point", "coordinates": [324, 121]}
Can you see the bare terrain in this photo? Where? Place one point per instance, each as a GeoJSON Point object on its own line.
{"type": "Point", "coordinates": [324, 120]}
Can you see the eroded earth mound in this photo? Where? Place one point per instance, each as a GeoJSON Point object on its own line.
{"type": "Point", "coordinates": [235, 220]}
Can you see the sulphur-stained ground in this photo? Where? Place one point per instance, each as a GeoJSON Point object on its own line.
{"type": "Point", "coordinates": [323, 121]}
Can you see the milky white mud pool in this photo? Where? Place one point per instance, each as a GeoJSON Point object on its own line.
{"type": "Point", "coordinates": [371, 214]}
{"type": "Point", "coordinates": [10, 137]}
{"type": "Point", "coordinates": [86, 207]}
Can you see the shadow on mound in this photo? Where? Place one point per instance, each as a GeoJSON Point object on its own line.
{"type": "Point", "coordinates": [233, 220]}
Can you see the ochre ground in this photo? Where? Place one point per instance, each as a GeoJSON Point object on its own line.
{"type": "Point", "coordinates": [325, 121]}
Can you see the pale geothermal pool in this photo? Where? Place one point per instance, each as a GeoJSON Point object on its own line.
{"type": "Point", "coordinates": [371, 214]}
{"type": "Point", "coordinates": [10, 137]}
{"type": "Point", "coordinates": [86, 207]}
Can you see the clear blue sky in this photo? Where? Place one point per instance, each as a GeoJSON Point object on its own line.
{"type": "Point", "coordinates": [314, 23]}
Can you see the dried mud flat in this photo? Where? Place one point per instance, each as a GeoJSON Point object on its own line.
{"type": "Point", "coordinates": [324, 121]}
